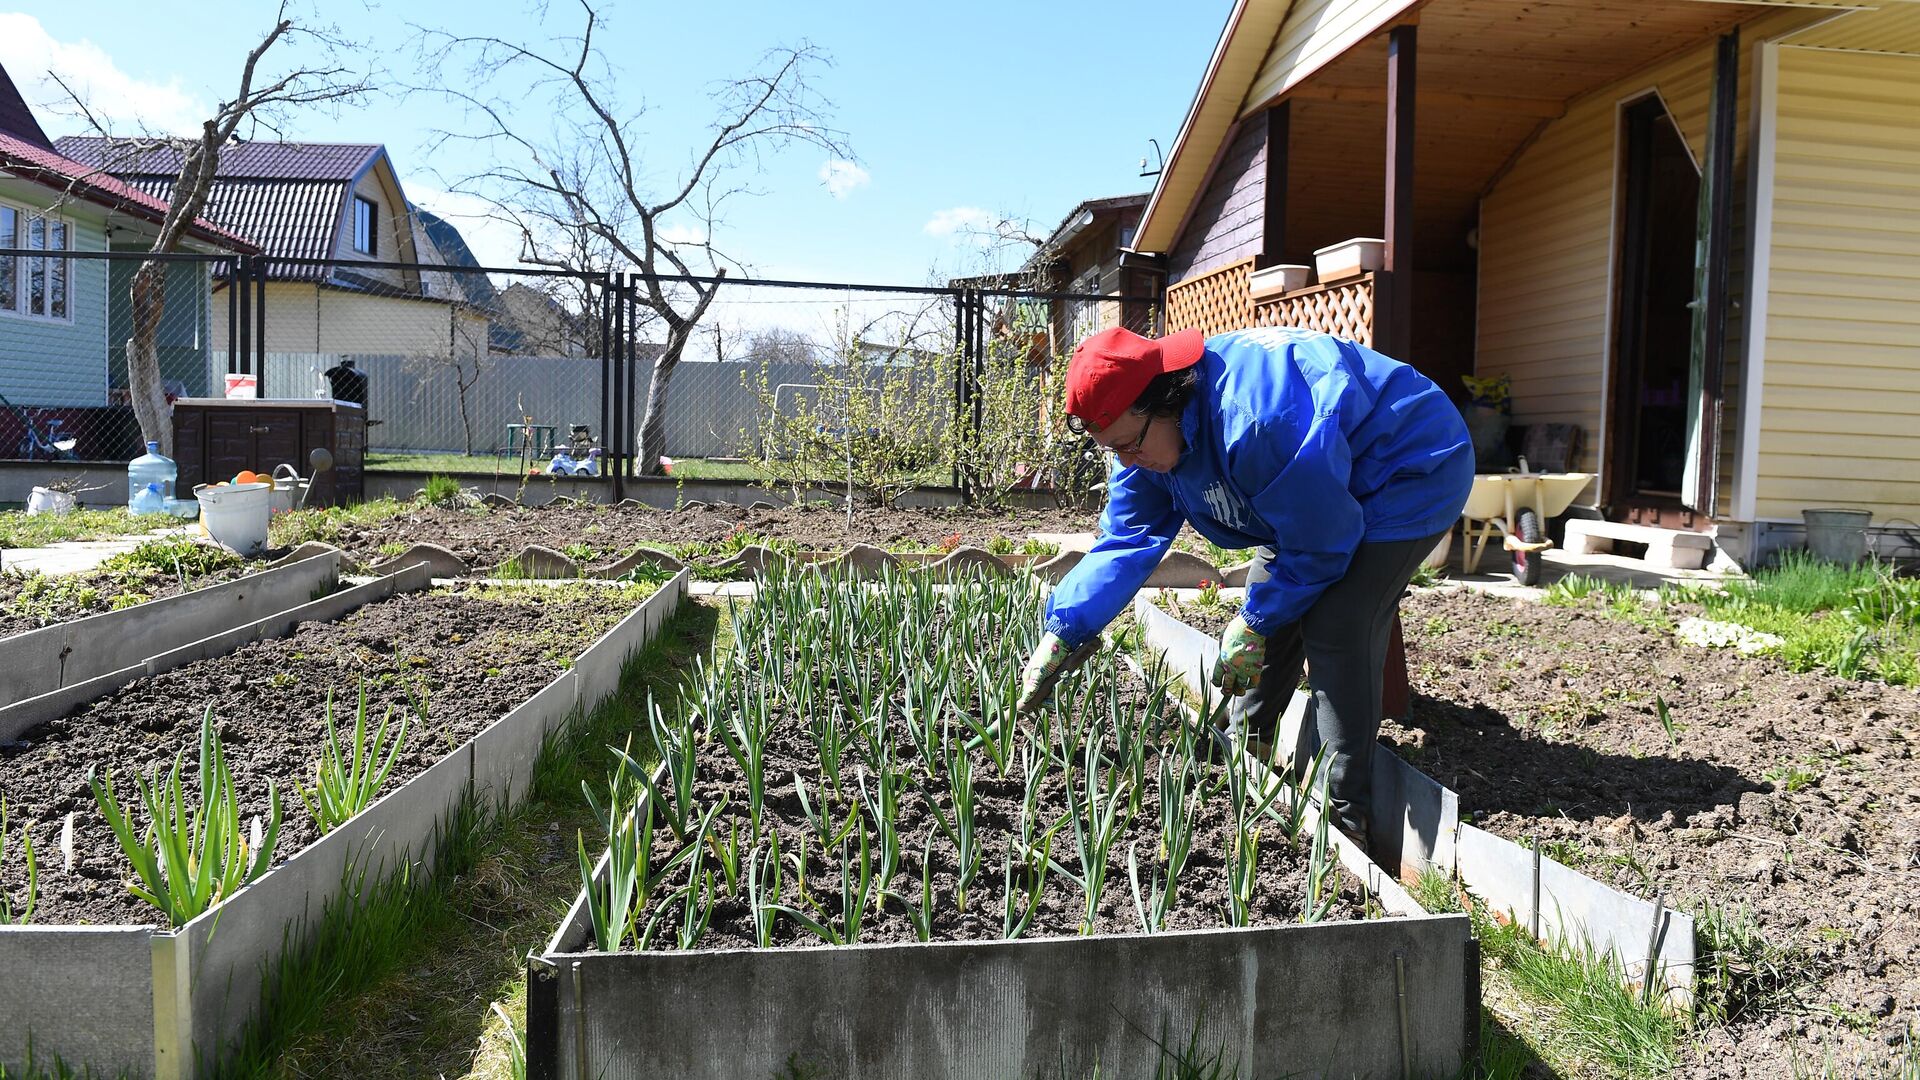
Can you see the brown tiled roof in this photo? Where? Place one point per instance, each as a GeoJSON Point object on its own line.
{"type": "Point", "coordinates": [240, 161]}
{"type": "Point", "coordinates": [49, 169]}
{"type": "Point", "coordinates": [289, 196]}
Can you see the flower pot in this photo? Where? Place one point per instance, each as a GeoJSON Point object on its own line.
{"type": "Point", "coordinates": [1277, 280]}
{"type": "Point", "coordinates": [49, 501]}
{"type": "Point", "coordinates": [1349, 258]}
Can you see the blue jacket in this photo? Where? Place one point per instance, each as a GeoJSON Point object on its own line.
{"type": "Point", "coordinates": [1298, 441]}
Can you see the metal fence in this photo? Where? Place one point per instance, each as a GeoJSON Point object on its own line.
{"type": "Point", "coordinates": [469, 370]}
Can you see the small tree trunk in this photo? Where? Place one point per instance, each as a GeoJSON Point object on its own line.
{"type": "Point", "coordinates": [143, 356]}
{"type": "Point", "coordinates": [653, 428]}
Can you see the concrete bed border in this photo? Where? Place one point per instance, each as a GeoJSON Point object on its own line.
{"type": "Point", "coordinates": [153, 1002]}
{"type": "Point", "coordinates": [1275, 997]}
{"type": "Point", "coordinates": [1420, 817]}
{"type": "Point", "coordinates": [40, 661]}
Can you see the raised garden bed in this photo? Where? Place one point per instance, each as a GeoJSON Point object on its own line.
{"type": "Point", "coordinates": [500, 669]}
{"type": "Point", "coordinates": [1780, 807]}
{"type": "Point", "coordinates": [156, 569]}
{"type": "Point", "coordinates": [851, 774]}
{"type": "Point", "coordinates": [487, 536]}
{"type": "Point", "coordinates": [1208, 612]}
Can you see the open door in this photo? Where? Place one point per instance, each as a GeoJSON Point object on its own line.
{"type": "Point", "coordinates": [1713, 237]}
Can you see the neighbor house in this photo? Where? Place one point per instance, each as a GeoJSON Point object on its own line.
{"type": "Point", "coordinates": [64, 321]}
{"type": "Point", "coordinates": [1691, 230]}
{"type": "Point", "coordinates": [331, 217]}
{"type": "Point", "coordinates": [1086, 254]}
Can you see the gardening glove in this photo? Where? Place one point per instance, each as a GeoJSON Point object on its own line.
{"type": "Point", "coordinates": [1036, 679]}
{"type": "Point", "coordinates": [1242, 654]}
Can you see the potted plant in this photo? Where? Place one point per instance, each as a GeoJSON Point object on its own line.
{"type": "Point", "coordinates": [58, 496]}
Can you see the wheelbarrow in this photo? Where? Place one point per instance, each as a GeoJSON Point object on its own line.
{"type": "Point", "coordinates": [1514, 507]}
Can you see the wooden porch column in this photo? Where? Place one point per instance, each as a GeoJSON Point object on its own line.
{"type": "Point", "coordinates": [1273, 217]}
{"type": "Point", "coordinates": [1393, 304]}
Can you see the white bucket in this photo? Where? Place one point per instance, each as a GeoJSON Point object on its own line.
{"type": "Point", "coordinates": [49, 501]}
{"type": "Point", "coordinates": [236, 515]}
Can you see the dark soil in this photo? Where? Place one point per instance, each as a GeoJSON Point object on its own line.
{"type": "Point", "coordinates": [485, 537]}
{"type": "Point", "coordinates": [77, 596]}
{"type": "Point", "coordinates": [1202, 896]}
{"type": "Point", "coordinates": [1795, 795]}
{"type": "Point", "coordinates": [475, 654]}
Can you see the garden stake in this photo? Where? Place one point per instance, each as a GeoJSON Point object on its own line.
{"type": "Point", "coordinates": [1400, 996]}
{"type": "Point", "coordinates": [1534, 923]}
{"type": "Point", "coordinates": [1653, 949]}
{"type": "Point", "coordinates": [579, 1025]}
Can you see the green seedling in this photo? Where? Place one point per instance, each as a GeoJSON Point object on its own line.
{"type": "Point", "coordinates": [348, 777]}
{"type": "Point", "coordinates": [194, 853]}
{"type": "Point", "coordinates": [9, 915]}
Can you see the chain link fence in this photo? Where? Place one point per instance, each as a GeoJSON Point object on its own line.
{"type": "Point", "coordinates": [464, 371]}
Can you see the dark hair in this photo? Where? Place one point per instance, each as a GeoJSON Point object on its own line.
{"type": "Point", "coordinates": [1167, 395]}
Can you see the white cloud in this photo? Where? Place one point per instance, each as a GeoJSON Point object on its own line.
{"type": "Point", "coordinates": [842, 176]}
{"type": "Point", "coordinates": [124, 104]}
{"type": "Point", "coordinates": [683, 234]}
{"type": "Point", "coordinates": [962, 221]}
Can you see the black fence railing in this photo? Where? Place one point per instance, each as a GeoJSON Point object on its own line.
{"type": "Point", "coordinates": [510, 371]}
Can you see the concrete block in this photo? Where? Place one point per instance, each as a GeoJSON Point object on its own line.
{"type": "Point", "coordinates": [305, 551]}
{"type": "Point", "coordinates": [1276, 1000]}
{"type": "Point", "coordinates": [1671, 548]}
{"type": "Point", "coordinates": [1182, 570]}
{"type": "Point", "coordinates": [441, 563]}
{"type": "Point", "coordinates": [1056, 568]}
{"type": "Point", "coordinates": [1235, 576]}
{"type": "Point", "coordinates": [862, 562]}
{"type": "Point", "coordinates": [40, 661]}
{"type": "Point", "coordinates": [644, 557]}
{"type": "Point", "coordinates": [84, 993]}
{"type": "Point", "coordinates": [535, 561]}
{"type": "Point", "coordinates": [1577, 909]}
{"type": "Point", "coordinates": [496, 501]}
{"type": "Point", "coordinates": [963, 561]}
{"type": "Point", "coordinates": [753, 561]}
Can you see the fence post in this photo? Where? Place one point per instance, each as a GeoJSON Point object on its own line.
{"type": "Point", "coordinates": [260, 328]}
{"type": "Point", "coordinates": [616, 354]}
{"type": "Point", "coordinates": [605, 293]}
{"type": "Point", "coordinates": [232, 266]}
{"type": "Point", "coordinates": [629, 429]}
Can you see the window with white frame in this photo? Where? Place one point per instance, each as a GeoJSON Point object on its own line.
{"type": "Point", "coordinates": [35, 286]}
{"type": "Point", "coordinates": [365, 233]}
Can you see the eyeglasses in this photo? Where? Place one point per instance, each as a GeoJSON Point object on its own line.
{"type": "Point", "coordinates": [1133, 448]}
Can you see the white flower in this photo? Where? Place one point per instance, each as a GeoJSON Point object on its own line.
{"type": "Point", "coordinates": [1710, 634]}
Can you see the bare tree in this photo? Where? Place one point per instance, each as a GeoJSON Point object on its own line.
{"type": "Point", "coordinates": [580, 192]}
{"type": "Point", "coordinates": [255, 106]}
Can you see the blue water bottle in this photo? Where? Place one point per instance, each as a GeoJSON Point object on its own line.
{"type": "Point", "coordinates": [150, 468]}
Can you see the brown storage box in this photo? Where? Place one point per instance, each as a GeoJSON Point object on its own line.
{"type": "Point", "coordinates": [214, 438]}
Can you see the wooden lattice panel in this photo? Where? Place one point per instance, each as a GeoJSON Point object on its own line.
{"type": "Point", "coordinates": [1214, 302]}
{"type": "Point", "coordinates": [1344, 310]}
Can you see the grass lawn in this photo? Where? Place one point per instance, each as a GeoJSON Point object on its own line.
{"type": "Point", "coordinates": [493, 465]}
{"type": "Point", "coordinates": [1858, 622]}
{"type": "Point", "coordinates": [17, 530]}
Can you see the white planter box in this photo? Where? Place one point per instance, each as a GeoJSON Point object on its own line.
{"type": "Point", "coordinates": [1276, 280]}
{"type": "Point", "coordinates": [1349, 258]}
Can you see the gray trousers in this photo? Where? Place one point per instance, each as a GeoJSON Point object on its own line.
{"type": "Point", "coordinates": [1344, 638]}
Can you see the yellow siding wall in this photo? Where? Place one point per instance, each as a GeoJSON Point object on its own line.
{"type": "Point", "coordinates": [1547, 242]}
{"type": "Point", "coordinates": [1316, 31]}
{"type": "Point", "coordinates": [1842, 379]}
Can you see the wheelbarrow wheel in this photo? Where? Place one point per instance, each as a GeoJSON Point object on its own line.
{"type": "Point", "coordinates": [1527, 564]}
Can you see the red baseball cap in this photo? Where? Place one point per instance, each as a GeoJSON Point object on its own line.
{"type": "Point", "coordinates": [1110, 369]}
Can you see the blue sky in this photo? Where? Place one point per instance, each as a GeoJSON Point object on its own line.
{"type": "Point", "coordinates": [954, 114]}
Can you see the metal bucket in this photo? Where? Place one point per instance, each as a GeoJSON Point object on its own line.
{"type": "Point", "coordinates": [1837, 535]}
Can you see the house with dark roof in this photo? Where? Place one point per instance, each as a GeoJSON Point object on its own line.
{"type": "Point", "coordinates": [332, 219]}
{"type": "Point", "coordinates": [63, 321]}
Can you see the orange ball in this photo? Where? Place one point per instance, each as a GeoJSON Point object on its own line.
{"type": "Point", "coordinates": [247, 476]}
